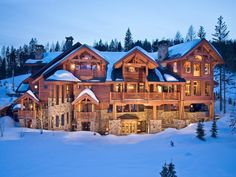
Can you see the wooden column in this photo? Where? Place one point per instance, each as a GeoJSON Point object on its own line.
{"type": "Point", "coordinates": [181, 102]}
{"type": "Point", "coordinates": [154, 112]}
{"type": "Point", "coordinates": [114, 112]}
{"type": "Point", "coordinates": [211, 110]}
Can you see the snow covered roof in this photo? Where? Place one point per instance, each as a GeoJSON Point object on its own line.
{"type": "Point", "coordinates": [179, 50]}
{"type": "Point", "coordinates": [63, 75]}
{"type": "Point", "coordinates": [88, 92]}
{"type": "Point", "coordinates": [32, 95]}
{"type": "Point", "coordinates": [161, 74]}
{"type": "Point", "coordinates": [47, 57]}
{"type": "Point", "coordinates": [23, 87]}
{"type": "Point", "coordinates": [18, 106]}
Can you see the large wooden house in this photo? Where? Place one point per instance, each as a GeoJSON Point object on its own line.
{"type": "Point", "coordinates": [119, 92]}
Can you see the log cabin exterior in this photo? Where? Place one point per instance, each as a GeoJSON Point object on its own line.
{"type": "Point", "coordinates": [120, 92]}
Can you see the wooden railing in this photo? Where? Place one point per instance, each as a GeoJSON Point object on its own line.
{"type": "Point", "coordinates": [26, 114]}
{"type": "Point", "coordinates": [144, 96]}
{"type": "Point", "coordinates": [92, 73]}
{"type": "Point", "coordinates": [86, 115]}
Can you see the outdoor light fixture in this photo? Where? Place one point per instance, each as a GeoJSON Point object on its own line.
{"type": "Point", "coordinates": [36, 86]}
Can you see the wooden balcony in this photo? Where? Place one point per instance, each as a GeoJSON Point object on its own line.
{"type": "Point", "coordinates": [89, 73]}
{"type": "Point", "coordinates": [86, 115]}
{"type": "Point", "coordinates": [26, 114]}
{"type": "Point", "coordinates": [122, 96]}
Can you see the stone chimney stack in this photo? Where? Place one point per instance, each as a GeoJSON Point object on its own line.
{"type": "Point", "coordinates": [68, 43]}
{"type": "Point", "coordinates": [163, 50]}
{"type": "Point", "coordinates": [39, 49]}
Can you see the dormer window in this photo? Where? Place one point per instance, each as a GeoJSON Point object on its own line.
{"type": "Point", "coordinates": [187, 67]}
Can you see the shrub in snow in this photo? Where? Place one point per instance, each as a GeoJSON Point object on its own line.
{"type": "Point", "coordinates": [172, 143]}
{"type": "Point", "coordinates": [168, 170]}
{"type": "Point", "coordinates": [200, 131]}
{"type": "Point", "coordinates": [214, 129]}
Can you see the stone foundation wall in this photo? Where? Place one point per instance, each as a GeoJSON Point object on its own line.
{"type": "Point", "coordinates": [155, 126]}
{"type": "Point", "coordinates": [115, 127]}
{"type": "Point", "coordinates": [196, 116]}
{"type": "Point", "coordinates": [58, 110]}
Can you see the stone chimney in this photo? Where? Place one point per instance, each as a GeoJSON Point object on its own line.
{"type": "Point", "coordinates": [163, 50]}
{"type": "Point", "coordinates": [39, 49]}
{"type": "Point", "coordinates": [68, 43]}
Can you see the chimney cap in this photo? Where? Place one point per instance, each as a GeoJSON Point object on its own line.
{"type": "Point", "coordinates": [163, 43]}
{"type": "Point", "coordinates": [69, 38]}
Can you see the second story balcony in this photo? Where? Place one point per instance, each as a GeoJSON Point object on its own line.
{"type": "Point", "coordinates": [143, 96]}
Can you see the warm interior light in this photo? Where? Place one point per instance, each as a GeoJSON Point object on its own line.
{"type": "Point", "coordinates": [72, 66]}
{"type": "Point", "coordinates": [36, 86]}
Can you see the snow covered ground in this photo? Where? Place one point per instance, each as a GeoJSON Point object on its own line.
{"type": "Point", "coordinates": [69, 154]}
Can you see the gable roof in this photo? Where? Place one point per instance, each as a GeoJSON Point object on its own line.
{"type": "Point", "coordinates": [30, 94]}
{"type": "Point", "coordinates": [137, 48]}
{"type": "Point", "coordinates": [86, 93]}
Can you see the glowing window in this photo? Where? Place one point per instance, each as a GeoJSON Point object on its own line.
{"type": "Point", "coordinates": [131, 69]}
{"type": "Point", "coordinates": [196, 69]}
{"type": "Point", "coordinates": [188, 88]}
{"type": "Point", "coordinates": [187, 67]}
{"type": "Point", "coordinates": [207, 68]}
{"type": "Point", "coordinates": [198, 57]}
{"type": "Point", "coordinates": [197, 88]}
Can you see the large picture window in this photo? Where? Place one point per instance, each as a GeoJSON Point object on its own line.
{"type": "Point", "coordinates": [197, 88]}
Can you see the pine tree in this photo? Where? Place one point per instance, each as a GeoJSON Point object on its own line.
{"type": "Point", "coordinates": [191, 35]}
{"type": "Point", "coordinates": [165, 170]}
{"type": "Point", "coordinates": [200, 131]}
{"type": "Point", "coordinates": [128, 41]}
{"type": "Point", "coordinates": [57, 47]}
{"type": "Point", "coordinates": [221, 31]}
{"type": "Point", "coordinates": [178, 38]}
{"type": "Point", "coordinates": [201, 33]}
{"type": "Point", "coordinates": [171, 171]}
{"type": "Point", "coordinates": [220, 35]}
{"type": "Point", "coordinates": [147, 45]}
{"type": "Point", "coordinates": [119, 47]}
{"type": "Point", "coordinates": [155, 45]}
{"type": "Point", "coordinates": [214, 129]}
{"type": "Point", "coordinates": [112, 46]}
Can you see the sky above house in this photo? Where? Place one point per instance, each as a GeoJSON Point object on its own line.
{"type": "Point", "coordinates": [89, 20]}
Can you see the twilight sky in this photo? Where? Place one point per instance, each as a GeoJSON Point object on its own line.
{"type": "Point", "coordinates": [90, 20]}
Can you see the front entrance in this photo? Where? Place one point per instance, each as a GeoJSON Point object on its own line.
{"type": "Point", "coordinates": [85, 126]}
{"type": "Point", "coordinates": [129, 126]}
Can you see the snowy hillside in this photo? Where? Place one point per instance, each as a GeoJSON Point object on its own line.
{"type": "Point", "coordinates": [6, 87]}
